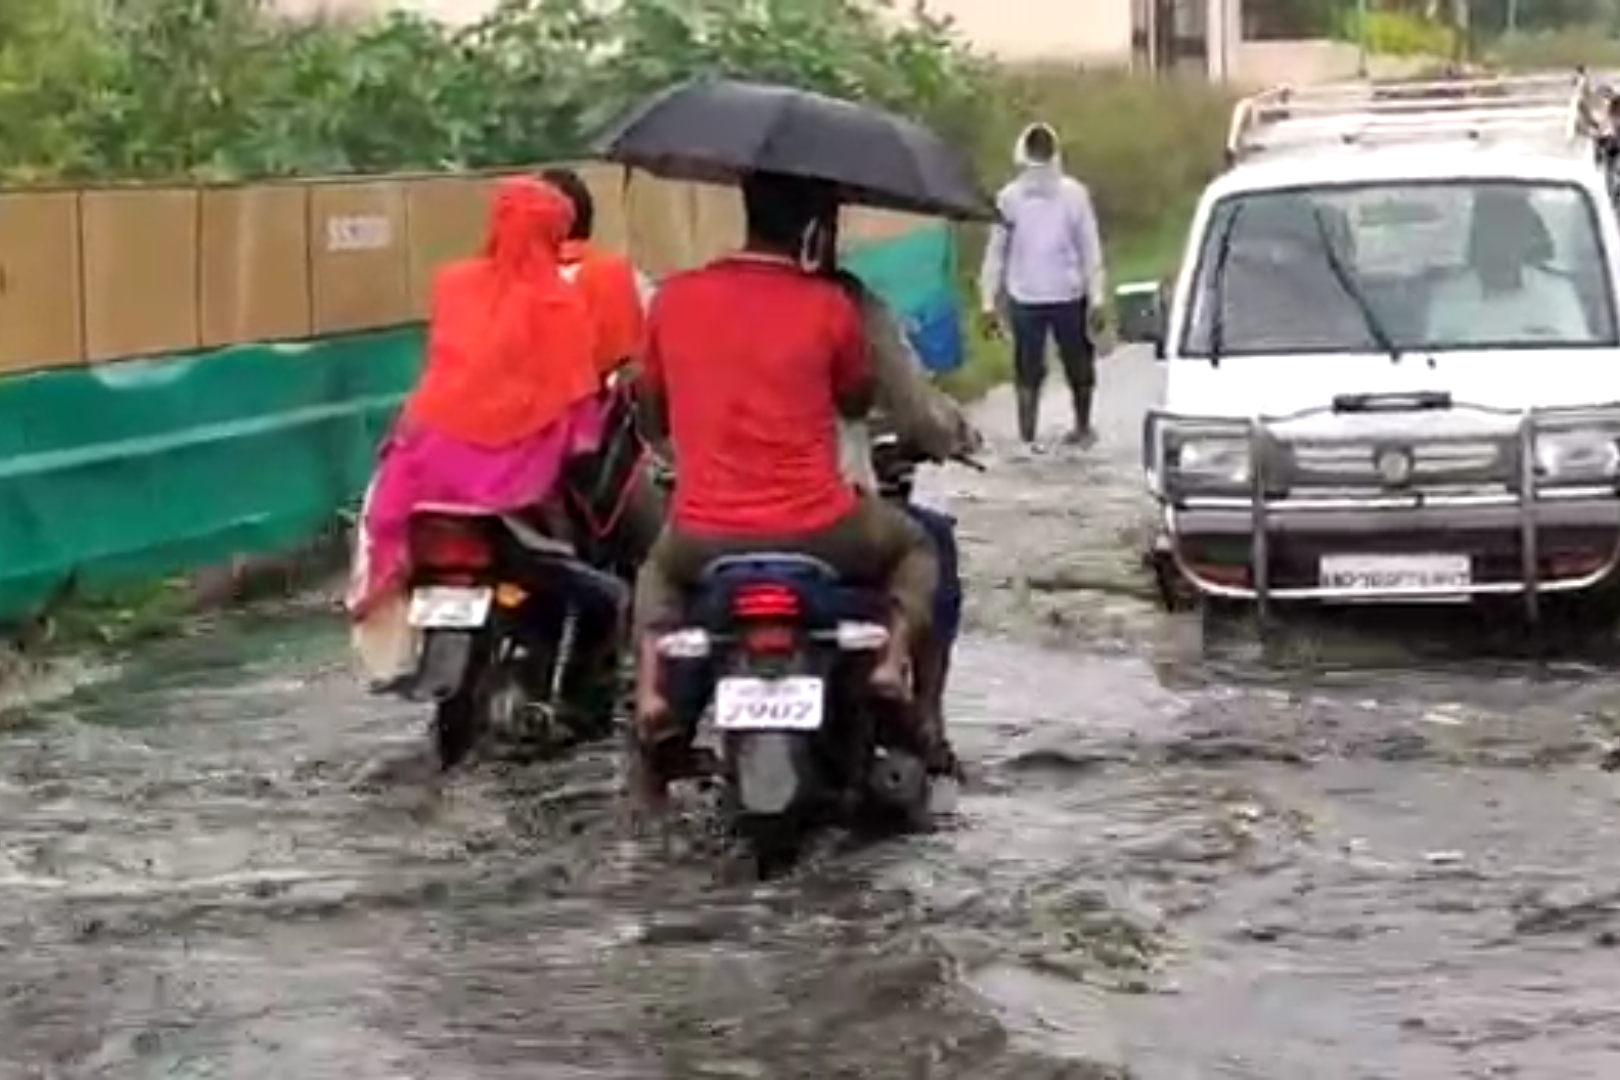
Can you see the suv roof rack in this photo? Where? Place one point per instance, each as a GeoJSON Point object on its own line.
{"type": "Point", "coordinates": [1365, 113]}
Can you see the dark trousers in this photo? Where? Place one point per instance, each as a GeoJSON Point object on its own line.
{"type": "Point", "coordinates": [876, 543]}
{"type": "Point", "coordinates": [941, 529]}
{"type": "Point", "coordinates": [1065, 325]}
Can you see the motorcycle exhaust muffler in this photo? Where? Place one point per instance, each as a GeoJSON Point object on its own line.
{"type": "Point", "coordinates": [898, 780]}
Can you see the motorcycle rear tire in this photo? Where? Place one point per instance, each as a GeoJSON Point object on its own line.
{"type": "Point", "coordinates": [459, 725]}
{"type": "Point", "coordinates": [774, 845]}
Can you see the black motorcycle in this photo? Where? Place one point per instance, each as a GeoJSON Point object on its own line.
{"type": "Point", "coordinates": [780, 652]}
{"type": "Point", "coordinates": [520, 616]}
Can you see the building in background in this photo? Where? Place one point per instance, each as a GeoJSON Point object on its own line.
{"type": "Point", "coordinates": [1148, 35]}
{"type": "Point", "coordinates": [1223, 40]}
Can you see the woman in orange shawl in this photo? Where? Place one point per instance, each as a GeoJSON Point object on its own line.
{"type": "Point", "coordinates": [507, 394]}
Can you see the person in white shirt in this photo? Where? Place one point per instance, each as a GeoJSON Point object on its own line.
{"type": "Point", "coordinates": [1507, 295]}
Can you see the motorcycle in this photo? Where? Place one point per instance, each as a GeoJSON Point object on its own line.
{"type": "Point", "coordinates": [519, 615]}
{"type": "Point", "coordinates": [779, 652]}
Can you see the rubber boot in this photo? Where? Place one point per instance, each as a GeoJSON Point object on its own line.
{"type": "Point", "coordinates": [1029, 414]}
{"type": "Point", "coordinates": [1082, 435]}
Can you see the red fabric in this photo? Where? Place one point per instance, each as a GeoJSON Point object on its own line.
{"type": "Point", "coordinates": [608, 283]}
{"type": "Point", "coordinates": [511, 345]}
{"type": "Point", "coordinates": [751, 356]}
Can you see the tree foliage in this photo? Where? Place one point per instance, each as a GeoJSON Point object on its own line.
{"type": "Point", "coordinates": [1287, 19]}
{"type": "Point", "coordinates": [225, 89]}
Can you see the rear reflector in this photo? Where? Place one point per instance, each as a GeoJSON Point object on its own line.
{"type": "Point", "coordinates": [443, 543]}
{"type": "Point", "coordinates": [773, 640]}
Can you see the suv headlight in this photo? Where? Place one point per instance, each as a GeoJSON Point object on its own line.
{"type": "Point", "coordinates": [1212, 459]}
{"type": "Point", "coordinates": [1577, 456]}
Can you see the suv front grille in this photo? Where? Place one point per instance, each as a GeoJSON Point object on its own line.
{"type": "Point", "coordinates": [1460, 464]}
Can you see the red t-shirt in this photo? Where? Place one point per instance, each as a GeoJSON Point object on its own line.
{"type": "Point", "coordinates": [751, 355]}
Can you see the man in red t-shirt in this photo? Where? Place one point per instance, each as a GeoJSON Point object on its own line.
{"type": "Point", "coordinates": [748, 364]}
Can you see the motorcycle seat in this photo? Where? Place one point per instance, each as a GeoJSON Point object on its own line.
{"type": "Point", "coordinates": [522, 530]}
{"type": "Point", "coordinates": [792, 566]}
{"type": "Point", "coordinates": [825, 595]}
{"type": "Point", "coordinates": [536, 541]}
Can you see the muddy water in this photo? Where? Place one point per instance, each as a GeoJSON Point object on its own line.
{"type": "Point", "coordinates": [1338, 865]}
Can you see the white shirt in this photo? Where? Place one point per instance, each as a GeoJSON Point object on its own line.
{"type": "Point", "coordinates": [1546, 306]}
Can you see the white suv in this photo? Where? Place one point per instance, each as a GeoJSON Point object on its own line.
{"type": "Point", "coordinates": [1393, 362]}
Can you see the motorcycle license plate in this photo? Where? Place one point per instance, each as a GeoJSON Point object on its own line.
{"type": "Point", "coordinates": [794, 703]}
{"type": "Point", "coordinates": [444, 607]}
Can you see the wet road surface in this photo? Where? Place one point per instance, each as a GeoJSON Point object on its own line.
{"type": "Point", "coordinates": [1168, 867]}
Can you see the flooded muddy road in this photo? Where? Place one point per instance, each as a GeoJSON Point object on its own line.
{"type": "Point", "coordinates": [1338, 866]}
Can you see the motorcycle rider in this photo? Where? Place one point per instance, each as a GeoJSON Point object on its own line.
{"type": "Point", "coordinates": [608, 280]}
{"type": "Point", "coordinates": [749, 363]}
{"type": "Point", "coordinates": [928, 420]}
{"type": "Point", "coordinates": [614, 293]}
{"type": "Point", "coordinates": [508, 393]}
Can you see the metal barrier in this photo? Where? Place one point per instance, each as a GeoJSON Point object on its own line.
{"type": "Point", "coordinates": [1289, 483]}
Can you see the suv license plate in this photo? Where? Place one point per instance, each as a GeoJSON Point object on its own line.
{"type": "Point", "coordinates": [444, 607]}
{"type": "Point", "coordinates": [1390, 574]}
{"type": "Point", "coordinates": [744, 703]}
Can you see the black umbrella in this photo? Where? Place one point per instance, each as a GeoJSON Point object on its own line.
{"type": "Point", "coordinates": [716, 130]}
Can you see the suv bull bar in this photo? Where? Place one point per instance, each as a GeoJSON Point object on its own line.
{"type": "Point", "coordinates": [1521, 471]}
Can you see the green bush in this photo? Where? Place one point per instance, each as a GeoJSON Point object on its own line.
{"type": "Point", "coordinates": [222, 90]}
{"type": "Point", "coordinates": [118, 89]}
{"type": "Point", "coordinates": [1397, 33]}
{"type": "Point", "coordinates": [1592, 46]}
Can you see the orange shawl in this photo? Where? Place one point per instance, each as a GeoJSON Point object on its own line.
{"type": "Point", "coordinates": [511, 347]}
{"type": "Point", "coordinates": [608, 284]}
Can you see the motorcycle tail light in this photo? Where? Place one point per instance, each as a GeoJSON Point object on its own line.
{"type": "Point", "coordinates": [765, 602]}
{"type": "Point", "coordinates": [441, 543]}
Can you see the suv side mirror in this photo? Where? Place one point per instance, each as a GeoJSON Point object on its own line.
{"type": "Point", "coordinates": [1141, 312]}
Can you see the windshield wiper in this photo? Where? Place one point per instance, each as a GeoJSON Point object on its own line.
{"type": "Point", "coordinates": [1352, 288]}
{"type": "Point", "coordinates": [1217, 278]}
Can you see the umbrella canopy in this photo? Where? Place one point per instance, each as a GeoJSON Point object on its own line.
{"type": "Point", "coordinates": [716, 130]}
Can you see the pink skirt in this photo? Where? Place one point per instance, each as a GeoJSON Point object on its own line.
{"type": "Point", "coordinates": [419, 467]}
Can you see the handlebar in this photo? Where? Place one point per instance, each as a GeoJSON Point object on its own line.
{"type": "Point", "coordinates": [889, 444]}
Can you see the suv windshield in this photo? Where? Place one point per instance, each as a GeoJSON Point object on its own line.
{"type": "Point", "coordinates": [1454, 264]}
